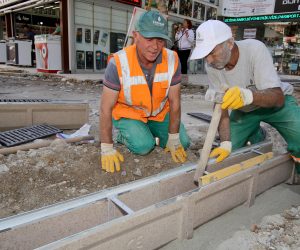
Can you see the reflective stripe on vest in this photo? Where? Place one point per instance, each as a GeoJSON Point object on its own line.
{"type": "Point", "coordinates": [165, 76]}
{"type": "Point", "coordinates": [127, 81]}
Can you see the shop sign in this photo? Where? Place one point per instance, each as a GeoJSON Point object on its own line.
{"type": "Point", "coordinates": [249, 33]}
{"type": "Point", "coordinates": [7, 2]}
{"type": "Point", "coordinates": [23, 18]}
{"type": "Point", "coordinates": [239, 8]}
{"type": "Point", "coordinates": [282, 6]}
{"type": "Point", "coordinates": [265, 18]}
{"type": "Point", "coordinates": [131, 2]}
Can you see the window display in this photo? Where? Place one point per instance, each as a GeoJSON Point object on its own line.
{"type": "Point", "coordinates": [199, 11]}
{"type": "Point", "coordinates": [185, 8]}
{"type": "Point", "coordinates": [80, 59]}
{"type": "Point", "coordinates": [211, 13]}
{"type": "Point", "coordinates": [104, 39]}
{"type": "Point", "coordinates": [173, 6]}
{"type": "Point", "coordinates": [101, 60]}
{"type": "Point", "coordinates": [96, 36]}
{"type": "Point", "coordinates": [89, 56]}
{"type": "Point", "coordinates": [79, 35]}
{"type": "Point", "coordinates": [87, 35]}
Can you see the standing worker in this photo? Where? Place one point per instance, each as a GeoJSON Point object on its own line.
{"type": "Point", "coordinates": [185, 39]}
{"type": "Point", "coordinates": [141, 96]}
{"type": "Point", "coordinates": [255, 92]}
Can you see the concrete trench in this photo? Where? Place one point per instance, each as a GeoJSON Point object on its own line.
{"type": "Point", "coordinates": [145, 214]}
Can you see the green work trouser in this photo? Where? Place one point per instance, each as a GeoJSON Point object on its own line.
{"type": "Point", "coordinates": [246, 126]}
{"type": "Point", "coordinates": [139, 137]}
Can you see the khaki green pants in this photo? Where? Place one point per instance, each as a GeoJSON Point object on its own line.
{"type": "Point", "coordinates": [139, 137]}
{"type": "Point", "coordinates": [246, 126]}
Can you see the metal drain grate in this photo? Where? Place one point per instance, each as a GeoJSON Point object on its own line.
{"type": "Point", "coordinates": [201, 116]}
{"type": "Point", "coordinates": [24, 100]}
{"type": "Point", "coordinates": [22, 135]}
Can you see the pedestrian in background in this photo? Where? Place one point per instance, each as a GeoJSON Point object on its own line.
{"type": "Point", "coordinates": [57, 28]}
{"type": "Point", "coordinates": [141, 96]}
{"type": "Point", "coordinates": [185, 38]}
{"type": "Point", "coordinates": [29, 34]}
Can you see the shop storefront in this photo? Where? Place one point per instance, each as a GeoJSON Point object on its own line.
{"type": "Point", "coordinates": [101, 26]}
{"type": "Point", "coordinates": [94, 28]}
{"type": "Point", "coordinates": [100, 29]}
{"type": "Point", "coordinates": [280, 30]}
{"type": "Point", "coordinates": [281, 36]}
{"type": "Point", "coordinates": [21, 22]}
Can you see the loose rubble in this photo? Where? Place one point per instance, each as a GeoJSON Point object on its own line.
{"type": "Point", "coordinates": [40, 177]}
{"type": "Point", "coordinates": [279, 231]}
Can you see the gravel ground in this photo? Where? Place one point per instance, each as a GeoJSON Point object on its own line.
{"type": "Point", "coordinates": [36, 178]}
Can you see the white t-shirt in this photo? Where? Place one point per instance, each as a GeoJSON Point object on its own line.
{"type": "Point", "coordinates": [254, 69]}
{"type": "Point", "coordinates": [185, 39]}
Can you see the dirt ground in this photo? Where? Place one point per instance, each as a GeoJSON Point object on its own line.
{"type": "Point", "coordinates": [39, 177]}
{"type": "Point", "coordinates": [36, 178]}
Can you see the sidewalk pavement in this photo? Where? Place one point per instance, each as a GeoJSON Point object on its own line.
{"type": "Point", "coordinates": [195, 79]}
{"type": "Point", "coordinates": [200, 79]}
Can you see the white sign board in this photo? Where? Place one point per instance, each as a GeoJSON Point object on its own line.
{"type": "Point", "coordinates": [249, 33]}
{"type": "Point", "coordinates": [239, 8]}
{"type": "Point", "coordinates": [137, 12]}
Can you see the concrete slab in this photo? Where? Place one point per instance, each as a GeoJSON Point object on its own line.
{"type": "Point", "coordinates": [60, 114]}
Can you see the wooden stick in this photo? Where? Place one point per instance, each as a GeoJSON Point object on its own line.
{"type": "Point", "coordinates": [233, 169]}
{"type": "Point", "coordinates": [211, 133]}
{"type": "Point", "coordinates": [41, 144]}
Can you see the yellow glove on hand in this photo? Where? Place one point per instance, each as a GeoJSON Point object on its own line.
{"type": "Point", "coordinates": [236, 98]}
{"type": "Point", "coordinates": [175, 147]}
{"type": "Point", "coordinates": [110, 158]}
{"type": "Point", "coordinates": [222, 152]}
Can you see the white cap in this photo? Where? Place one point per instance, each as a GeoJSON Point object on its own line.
{"type": "Point", "coordinates": [208, 35]}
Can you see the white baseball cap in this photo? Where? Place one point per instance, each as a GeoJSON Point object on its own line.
{"type": "Point", "coordinates": [208, 35]}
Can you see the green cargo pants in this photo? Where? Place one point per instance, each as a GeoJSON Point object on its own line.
{"type": "Point", "coordinates": [139, 137]}
{"type": "Point", "coordinates": [246, 126]}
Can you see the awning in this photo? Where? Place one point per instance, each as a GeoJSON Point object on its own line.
{"type": "Point", "coordinates": [24, 5]}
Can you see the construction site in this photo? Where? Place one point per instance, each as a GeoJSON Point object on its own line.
{"type": "Point", "coordinates": [54, 194]}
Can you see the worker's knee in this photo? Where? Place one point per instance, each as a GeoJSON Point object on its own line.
{"type": "Point", "coordinates": [142, 146]}
{"type": "Point", "coordinates": [184, 138]}
{"type": "Point", "coordinates": [185, 141]}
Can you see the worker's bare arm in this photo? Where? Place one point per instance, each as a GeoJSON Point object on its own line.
{"type": "Point", "coordinates": [224, 126]}
{"type": "Point", "coordinates": [175, 109]}
{"type": "Point", "coordinates": [108, 101]}
{"type": "Point", "coordinates": [268, 98]}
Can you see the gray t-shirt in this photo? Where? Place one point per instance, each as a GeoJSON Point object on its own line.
{"type": "Point", "coordinates": [254, 69]}
{"type": "Point", "coordinates": [112, 81]}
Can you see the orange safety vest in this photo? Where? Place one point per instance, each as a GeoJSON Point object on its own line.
{"type": "Point", "coordinates": [135, 100]}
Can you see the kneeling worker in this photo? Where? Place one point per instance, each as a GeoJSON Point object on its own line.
{"type": "Point", "coordinates": [255, 92]}
{"type": "Point", "coordinates": [141, 96]}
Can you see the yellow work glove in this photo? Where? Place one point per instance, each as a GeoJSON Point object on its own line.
{"type": "Point", "coordinates": [221, 152]}
{"type": "Point", "coordinates": [236, 98]}
{"type": "Point", "coordinates": [110, 158]}
{"type": "Point", "coordinates": [175, 147]}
